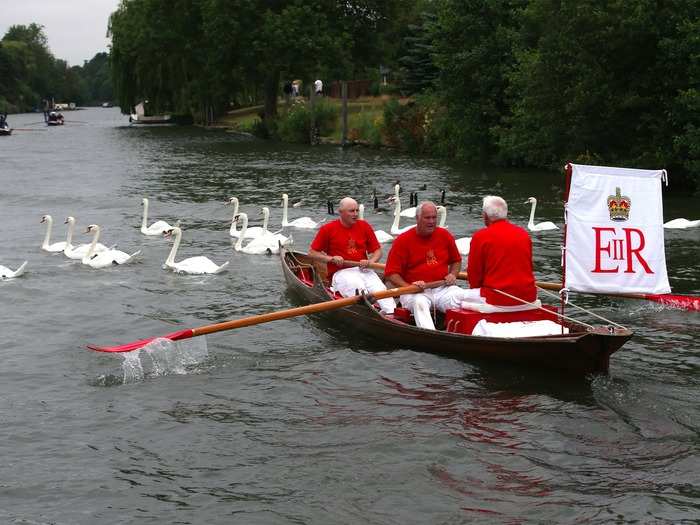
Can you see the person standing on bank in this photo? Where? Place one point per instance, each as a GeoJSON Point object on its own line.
{"type": "Point", "coordinates": [318, 87]}
{"type": "Point", "coordinates": [423, 254]}
{"type": "Point", "coordinates": [500, 258]}
{"type": "Point", "coordinates": [350, 239]}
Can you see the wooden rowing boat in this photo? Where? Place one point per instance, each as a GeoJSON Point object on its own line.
{"type": "Point", "coordinates": [583, 350]}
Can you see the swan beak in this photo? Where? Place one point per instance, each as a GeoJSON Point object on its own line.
{"type": "Point", "coordinates": [65, 222]}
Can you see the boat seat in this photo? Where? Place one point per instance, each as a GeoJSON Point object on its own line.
{"type": "Point", "coordinates": [463, 321]}
{"type": "Point", "coordinates": [486, 308]}
{"type": "Point", "coordinates": [403, 314]}
{"type": "Point", "coordinates": [519, 329]}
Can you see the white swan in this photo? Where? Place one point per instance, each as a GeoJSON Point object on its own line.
{"type": "Point", "coordinates": [408, 212]}
{"type": "Point", "coordinates": [107, 257]}
{"type": "Point", "coordinates": [681, 224]}
{"type": "Point", "coordinates": [264, 245]}
{"type": "Point", "coordinates": [55, 247]}
{"type": "Point", "coordinates": [6, 273]}
{"type": "Point", "coordinates": [301, 222]}
{"type": "Point", "coordinates": [233, 201]}
{"type": "Point", "coordinates": [463, 245]}
{"type": "Point", "coordinates": [382, 236]}
{"type": "Point", "coordinates": [80, 251]}
{"type": "Point", "coordinates": [442, 214]}
{"type": "Point", "coordinates": [157, 228]}
{"type": "Point", "coordinates": [255, 231]}
{"type": "Point", "coordinates": [192, 265]}
{"type": "Point", "coordinates": [542, 226]}
{"type": "Point", "coordinates": [395, 230]}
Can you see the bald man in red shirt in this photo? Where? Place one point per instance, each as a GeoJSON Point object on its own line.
{"type": "Point", "coordinates": [423, 254]}
{"type": "Point", "coordinates": [500, 258]}
{"type": "Point", "coordinates": [350, 239]}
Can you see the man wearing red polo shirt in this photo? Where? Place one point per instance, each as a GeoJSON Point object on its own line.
{"type": "Point", "coordinates": [350, 239]}
{"type": "Point", "coordinates": [500, 258]}
{"type": "Point", "coordinates": [423, 254]}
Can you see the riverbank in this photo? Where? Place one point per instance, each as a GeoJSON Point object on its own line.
{"type": "Point", "coordinates": [365, 119]}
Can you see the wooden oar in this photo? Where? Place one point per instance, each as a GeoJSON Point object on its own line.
{"type": "Point", "coordinates": [683, 302]}
{"type": "Point", "coordinates": [264, 318]}
{"type": "Point", "coordinates": [27, 129]}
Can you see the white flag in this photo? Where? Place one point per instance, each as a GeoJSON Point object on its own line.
{"type": "Point", "coordinates": [614, 232]}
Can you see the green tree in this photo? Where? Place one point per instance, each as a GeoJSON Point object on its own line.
{"type": "Point", "coordinates": [598, 82]}
{"type": "Point", "coordinates": [473, 42]}
{"type": "Point", "coordinates": [418, 70]}
{"type": "Point", "coordinates": [192, 54]}
{"type": "Point", "coordinates": [97, 75]}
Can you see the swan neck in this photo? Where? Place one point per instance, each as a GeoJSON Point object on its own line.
{"type": "Point", "coordinates": [173, 250]}
{"type": "Point", "coordinates": [284, 211]}
{"type": "Point", "coordinates": [47, 236]}
{"type": "Point", "coordinates": [233, 229]}
{"type": "Point", "coordinates": [532, 213]}
{"type": "Point", "coordinates": [93, 244]}
{"type": "Point", "coordinates": [266, 220]}
{"type": "Point", "coordinates": [397, 216]}
{"type": "Point", "coordinates": [69, 235]}
{"type": "Point", "coordinates": [144, 221]}
{"type": "Point", "coordinates": [244, 228]}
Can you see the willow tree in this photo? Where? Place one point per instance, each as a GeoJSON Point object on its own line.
{"type": "Point", "coordinates": [156, 53]}
{"type": "Point", "coordinates": [182, 54]}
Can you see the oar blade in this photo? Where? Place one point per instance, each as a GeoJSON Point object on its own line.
{"type": "Point", "coordinates": [135, 345]}
{"type": "Point", "coordinates": [685, 302]}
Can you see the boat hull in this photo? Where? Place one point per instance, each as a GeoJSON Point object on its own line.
{"type": "Point", "coordinates": [154, 120]}
{"type": "Point", "coordinates": [581, 352]}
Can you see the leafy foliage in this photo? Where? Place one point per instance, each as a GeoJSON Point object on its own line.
{"type": "Point", "coordinates": [30, 73]}
{"type": "Point", "coordinates": [295, 125]}
{"type": "Point", "coordinates": [418, 70]}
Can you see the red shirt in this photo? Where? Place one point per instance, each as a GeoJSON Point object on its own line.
{"type": "Point", "coordinates": [351, 243]}
{"type": "Point", "coordinates": [500, 256]}
{"type": "Point", "coordinates": [417, 258]}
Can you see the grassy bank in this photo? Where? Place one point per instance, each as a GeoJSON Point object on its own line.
{"type": "Point", "coordinates": [365, 119]}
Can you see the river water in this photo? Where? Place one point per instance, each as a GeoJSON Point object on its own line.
{"type": "Point", "coordinates": [291, 422]}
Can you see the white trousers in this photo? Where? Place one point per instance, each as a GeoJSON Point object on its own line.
{"type": "Point", "coordinates": [350, 280]}
{"type": "Point", "coordinates": [443, 298]}
{"type": "Point", "coordinates": [473, 295]}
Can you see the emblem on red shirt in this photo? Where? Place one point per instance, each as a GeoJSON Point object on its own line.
{"type": "Point", "coordinates": [352, 247]}
{"type": "Point", "coordinates": [430, 258]}
{"type": "Point", "coordinates": [619, 206]}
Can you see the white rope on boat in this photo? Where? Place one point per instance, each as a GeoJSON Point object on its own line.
{"type": "Point", "coordinates": [550, 312]}
{"type": "Point", "coordinates": [566, 300]}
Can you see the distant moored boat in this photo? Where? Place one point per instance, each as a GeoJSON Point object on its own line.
{"type": "Point", "coordinates": [139, 116]}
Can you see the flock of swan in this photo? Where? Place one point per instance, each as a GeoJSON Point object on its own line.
{"type": "Point", "coordinates": [97, 255]}
{"type": "Point", "coordinates": [260, 239]}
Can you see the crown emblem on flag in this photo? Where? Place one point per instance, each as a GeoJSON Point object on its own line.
{"type": "Point", "coordinates": [619, 206]}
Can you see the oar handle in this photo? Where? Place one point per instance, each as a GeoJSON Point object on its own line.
{"type": "Point", "coordinates": [309, 309]}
